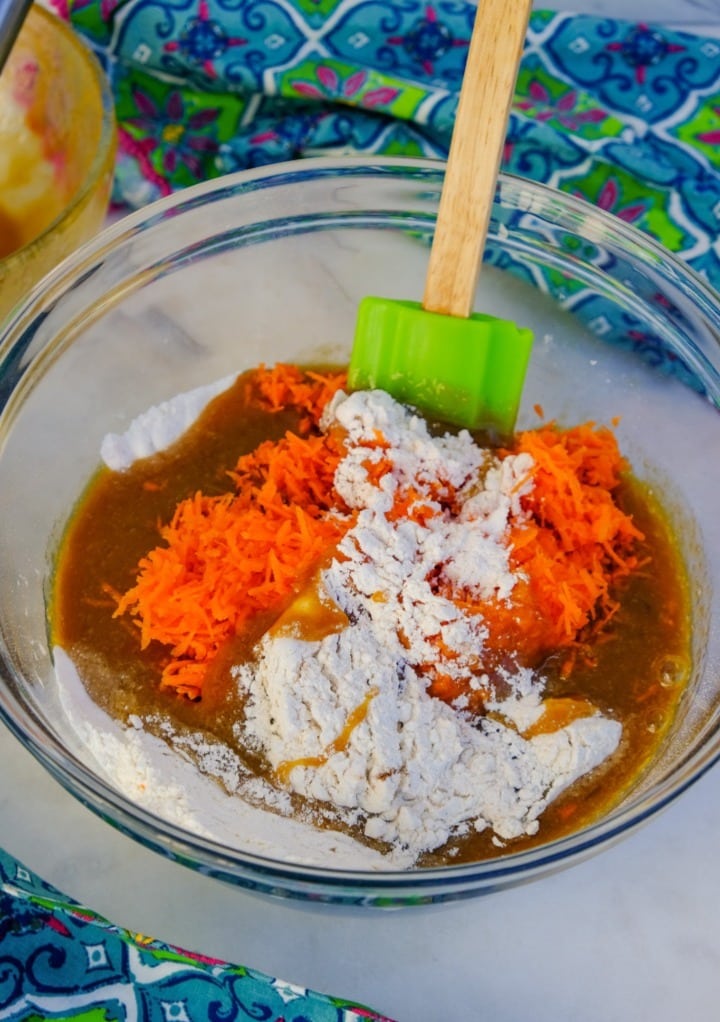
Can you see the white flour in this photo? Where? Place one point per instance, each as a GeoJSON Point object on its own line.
{"type": "Point", "coordinates": [418, 769]}
{"type": "Point", "coordinates": [159, 426]}
{"type": "Point", "coordinates": [410, 769]}
{"type": "Point", "coordinates": [166, 782]}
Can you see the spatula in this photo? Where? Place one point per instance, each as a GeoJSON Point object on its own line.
{"type": "Point", "coordinates": [455, 365]}
{"type": "Point", "coordinates": [12, 16]}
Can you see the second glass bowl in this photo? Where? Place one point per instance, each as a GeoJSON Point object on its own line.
{"type": "Point", "coordinates": [57, 134]}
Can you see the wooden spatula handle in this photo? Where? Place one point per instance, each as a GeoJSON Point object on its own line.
{"type": "Point", "coordinates": [475, 153]}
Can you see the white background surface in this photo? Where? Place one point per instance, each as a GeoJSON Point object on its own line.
{"type": "Point", "coordinates": [691, 15]}
{"type": "Point", "coordinates": [632, 934]}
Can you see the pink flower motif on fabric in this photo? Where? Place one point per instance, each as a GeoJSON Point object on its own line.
{"type": "Point", "coordinates": [332, 86]}
{"type": "Point", "coordinates": [608, 199]}
{"type": "Point", "coordinates": [540, 103]}
{"type": "Point", "coordinates": [183, 138]}
{"type": "Point", "coordinates": [711, 137]}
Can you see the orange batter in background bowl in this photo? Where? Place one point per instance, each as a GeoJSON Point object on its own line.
{"type": "Point", "coordinates": [57, 146]}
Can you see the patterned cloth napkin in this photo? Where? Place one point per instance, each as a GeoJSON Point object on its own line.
{"type": "Point", "coordinates": [59, 960]}
{"type": "Point", "coordinates": [625, 115]}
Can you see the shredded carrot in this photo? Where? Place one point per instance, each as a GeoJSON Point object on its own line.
{"type": "Point", "coordinates": [285, 386]}
{"type": "Point", "coordinates": [647, 693]}
{"type": "Point", "coordinates": [571, 547]}
{"type": "Point", "coordinates": [578, 542]}
{"type": "Point", "coordinates": [339, 744]}
{"type": "Point", "coordinates": [224, 559]}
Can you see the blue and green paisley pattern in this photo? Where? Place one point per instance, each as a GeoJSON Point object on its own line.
{"type": "Point", "coordinates": [624, 115]}
{"type": "Point", "coordinates": [61, 961]}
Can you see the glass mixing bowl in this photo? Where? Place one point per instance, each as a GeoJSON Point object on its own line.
{"type": "Point", "coordinates": [57, 149]}
{"type": "Point", "coordinates": [270, 265]}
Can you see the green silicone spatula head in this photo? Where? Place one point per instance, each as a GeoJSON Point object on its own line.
{"type": "Point", "coordinates": [462, 367]}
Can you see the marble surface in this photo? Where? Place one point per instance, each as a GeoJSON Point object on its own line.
{"type": "Point", "coordinates": [632, 933]}
{"type": "Point", "coordinates": [691, 15]}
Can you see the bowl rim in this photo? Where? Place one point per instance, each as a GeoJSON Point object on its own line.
{"type": "Point", "coordinates": [234, 864]}
{"type": "Point", "coordinates": [105, 148]}
{"type": "Point", "coordinates": [292, 172]}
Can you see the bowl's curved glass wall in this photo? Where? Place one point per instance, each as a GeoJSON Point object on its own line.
{"type": "Point", "coordinates": [270, 266]}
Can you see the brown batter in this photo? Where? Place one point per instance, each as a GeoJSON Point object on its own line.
{"type": "Point", "coordinates": [638, 673]}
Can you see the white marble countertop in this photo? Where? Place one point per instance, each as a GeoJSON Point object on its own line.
{"type": "Point", "coordinates": [633, 933]}
{"type": "Point", "coordinates": [690, 15]}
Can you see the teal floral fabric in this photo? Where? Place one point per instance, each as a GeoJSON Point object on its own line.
{"type": "Point", "coordinates": [626, 115]}
{"type": "Point", "coordinates": [59, 960]}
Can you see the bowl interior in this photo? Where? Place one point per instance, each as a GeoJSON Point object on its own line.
{"type": "Point", "coordinates": [270, 267]}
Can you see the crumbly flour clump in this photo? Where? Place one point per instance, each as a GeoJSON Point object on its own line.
{"type": "Point", "coordinates": [347, 720]}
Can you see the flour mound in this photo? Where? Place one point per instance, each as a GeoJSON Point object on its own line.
{"type": "Point", "coordinates": [158, 427]}
{"type": "Point", "coordinates": [416, 770]}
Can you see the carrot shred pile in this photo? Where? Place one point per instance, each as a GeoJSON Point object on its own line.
{"type": "Point", "coordinates": [574, 545]}
{"type": "Point", "coordinates": [284, 386]}
{"type": "Point", "coordinates": [226, 559]}
{"type": "Point", "coordinates": [570, 548]}
{"type": "Point", "coordinates": [578, 542]}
